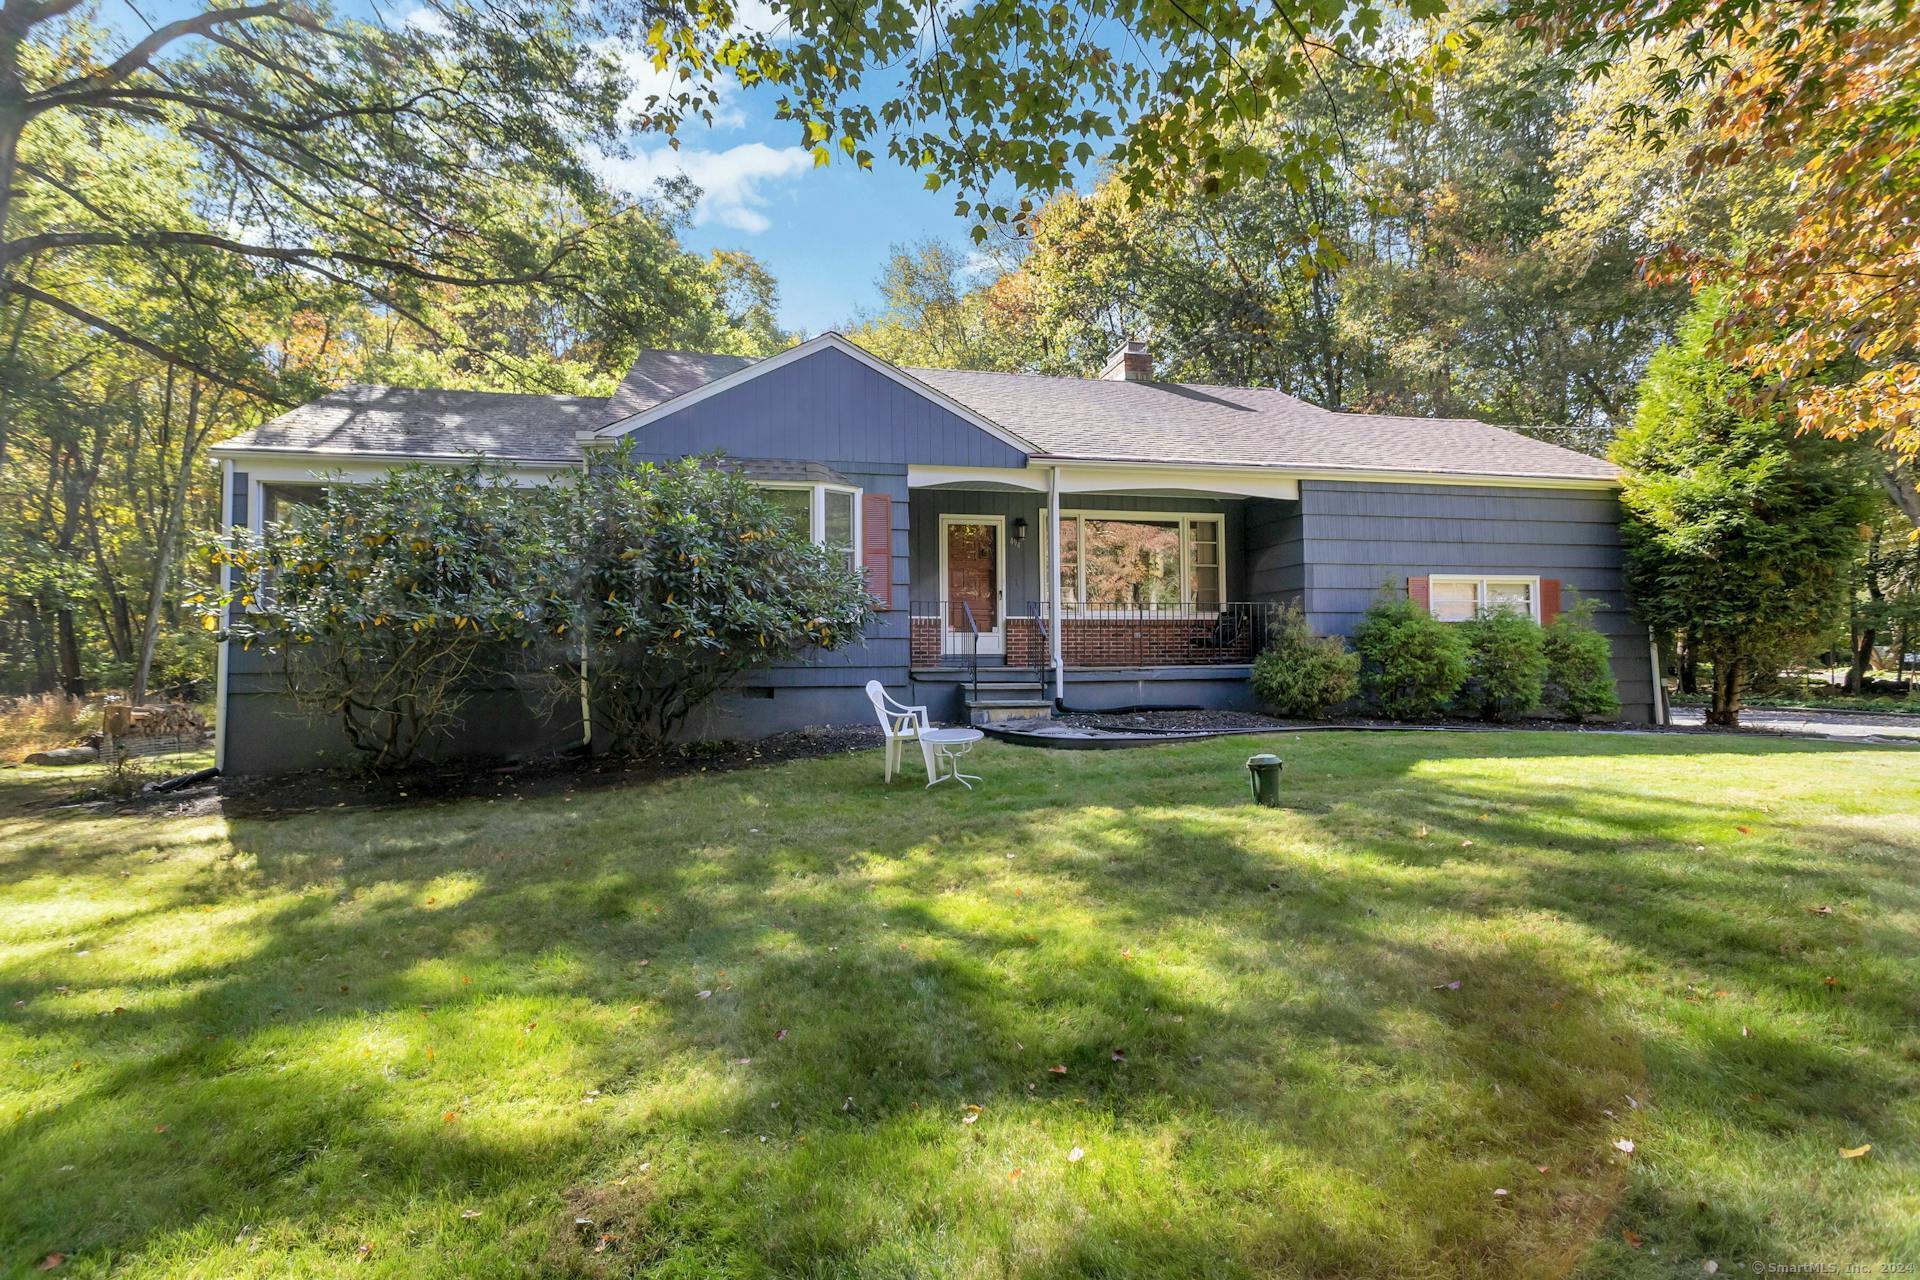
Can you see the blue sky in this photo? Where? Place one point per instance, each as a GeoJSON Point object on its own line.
{"type": "Point", "coordinates": [824, 231]}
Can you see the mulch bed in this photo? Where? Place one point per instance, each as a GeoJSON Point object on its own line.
{"type": "Point", "coordinates": [283, 795]}
{"type": "Point", "coordinates": [1142, 722]}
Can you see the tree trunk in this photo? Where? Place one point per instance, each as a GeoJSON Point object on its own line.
{"type": "Point", "coordinates": [1863, 631]}
{"type": "Point", "coordinates": [1689, 667]}
{"type": "Point", "coordinates": [167, 538]}
{"type": "Point", "coordinates": [1727, 685]}
{"type": "Point", "coordinates": [1902, 483]}
{"type": "Point", "coordinates": [1862, 655]}
{"type": "Point", "coordinates": [72, 683]}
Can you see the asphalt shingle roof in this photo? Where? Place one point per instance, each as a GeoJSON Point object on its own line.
{"type": "Point", "coordinates": [1085, 418]}
{"type": "Point", "coordinates": [659, 376]}
{"type": "Point", "coordinates": [406, 420]}
{"type": "Point", "coordinates": [1116, 421]}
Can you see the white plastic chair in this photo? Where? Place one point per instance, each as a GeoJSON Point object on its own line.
{"type": "Point", "coordinates": [902, 724]}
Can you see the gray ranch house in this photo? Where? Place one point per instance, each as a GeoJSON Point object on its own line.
{"type": "Point", "coordinates": [1183, 515]}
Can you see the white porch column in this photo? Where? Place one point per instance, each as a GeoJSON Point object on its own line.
{"type": "Point", "coordinates": [1053, 589]}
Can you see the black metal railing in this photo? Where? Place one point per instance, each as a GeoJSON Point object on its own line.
{"type": "Point", "coordinates": [946, 633]}
{"type": "Point", "coordinates": [1043, 653]}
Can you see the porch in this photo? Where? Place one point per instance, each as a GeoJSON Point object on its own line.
{"type": "Point", "coordinates": [1165, 595]}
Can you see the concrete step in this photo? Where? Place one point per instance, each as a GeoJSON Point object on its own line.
{"type": "Point", "coordinates": [981, 713]}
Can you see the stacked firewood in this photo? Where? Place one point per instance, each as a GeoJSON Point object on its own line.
{"type": "Point", "coordinates": [155, 720]}
{"type": "Point", "coordinates": [158, 728]}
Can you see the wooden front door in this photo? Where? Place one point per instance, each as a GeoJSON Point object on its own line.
{"type": "Point", "coordinates": [973, 574]}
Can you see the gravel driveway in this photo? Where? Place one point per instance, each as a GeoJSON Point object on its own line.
{"type": "Point", "coordinates": [1827, 724]}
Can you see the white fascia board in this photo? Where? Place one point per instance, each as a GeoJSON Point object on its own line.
{"type": "Point", "coordinates": [305, 465]}
{"type": "Point", "coordinates": [1095, 476]}
{"type": "Point", "coordinates": [1237, 483]}
{"type": "Point", "coordinates": [1383, 475]}
{"type": "Point", "coordinates": [813, 346]}
{"type": "Point", "coordinates": [924, 477]}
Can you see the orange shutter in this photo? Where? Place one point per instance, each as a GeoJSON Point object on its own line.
{"type": "Point", "coordinates": [1549, 600]}
{"type": "Point", "coordinates": [876, 546]}
{"type": "Point", "coordinates": [1417, 592]}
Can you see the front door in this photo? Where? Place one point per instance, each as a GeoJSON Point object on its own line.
{"type": "Point", "coordinates": [973, 572]}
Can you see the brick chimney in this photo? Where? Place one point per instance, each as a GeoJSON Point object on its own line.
{"type": "Point", "coordinates": [1131, 361]}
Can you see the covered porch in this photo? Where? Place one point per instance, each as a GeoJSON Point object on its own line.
{"type": "Point", "coordinates": [1160, 595]}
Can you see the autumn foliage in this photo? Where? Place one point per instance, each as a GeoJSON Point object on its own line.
{"type": "Point", "coordinates": [1830, 307]}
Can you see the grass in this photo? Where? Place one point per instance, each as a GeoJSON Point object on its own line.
{"type": "Point", "coordinates": [734, 1025]}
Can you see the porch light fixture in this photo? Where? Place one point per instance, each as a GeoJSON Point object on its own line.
{"type": "Point", "coordinates": [1019, 530]}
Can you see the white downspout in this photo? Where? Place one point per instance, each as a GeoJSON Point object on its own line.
{"type": "Point", "coordinates": [1053, 589]}
{"type": "Point", "coordinates": [220, 655]}
{"type": "Point", "coordinates": [1660, 715]}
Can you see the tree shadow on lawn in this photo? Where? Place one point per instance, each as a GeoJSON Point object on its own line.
{"type": "Point", "coordinates": [1295, 1096]}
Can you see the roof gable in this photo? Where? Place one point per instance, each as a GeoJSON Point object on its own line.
{"type": "Point", "coordinates": [829, 396]}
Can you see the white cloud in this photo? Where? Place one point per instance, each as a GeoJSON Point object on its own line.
{"type": "Point", "coordinates": [649, 81]}
{"type": "Point", "coordinates": [423, 19]}
{"type": "Point", "coordinates": [732, 182]}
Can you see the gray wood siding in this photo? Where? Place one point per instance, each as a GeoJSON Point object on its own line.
{"type": "Point", "coordinates": [1275, 569]}
{"type": "Point", "coordinates": [827, 405]}
{"type": "Point", "coordinates": [1023, 561]}
{"type": "Point", "coordinates": [1358, 538]}
{"type": "Point", "coordinates": [882, 653]}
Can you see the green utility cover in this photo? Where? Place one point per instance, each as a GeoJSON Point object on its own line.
{"type": "Point", "coordinates": [1263, 774]}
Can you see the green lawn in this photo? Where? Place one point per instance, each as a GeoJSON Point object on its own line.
{"type": "Point", "coordinates": [737, 1025]}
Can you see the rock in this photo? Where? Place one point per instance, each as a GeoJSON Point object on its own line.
{"type": "Point", "coordinates": [63, 755]}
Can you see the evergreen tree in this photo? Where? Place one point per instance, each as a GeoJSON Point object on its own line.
{"type": "Point", "coordinates": [1739, 532]}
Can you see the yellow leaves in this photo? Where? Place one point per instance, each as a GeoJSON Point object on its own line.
{"type": "Point", "coordinates": [1854, 1153]}
{"type": "Point", "coordinates": [209, 623]}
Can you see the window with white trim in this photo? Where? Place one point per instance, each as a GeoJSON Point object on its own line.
{"type": "Point", "coordinates": [1120, 561]}
{"type": "Point", "coordinates": [1459, 598]}
{"type": "Point", "coordinates": [279, 499]}
{"type": "Point", "coordinates": [828, 514]}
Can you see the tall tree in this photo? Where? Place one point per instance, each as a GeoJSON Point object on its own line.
{"type": "Point", "coordinates": [249, 205]}
{"type": "Point", "coordinates": [938, 314]}
{"type": "Point", "coordinates": [1420, 275]}
{"type": "Point", "coordinates": [1739, 532]}
{"type": "Point", "coordinates": [343, 155]}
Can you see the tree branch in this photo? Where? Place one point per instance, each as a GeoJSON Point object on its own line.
{"type": "Point", "coordinates": [29, 246]}
{"type": "Point", "coordinates": [200, 24]}
{"type": "Point", "coordinates": [154, 349]}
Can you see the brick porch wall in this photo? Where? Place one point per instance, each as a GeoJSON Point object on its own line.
{"type": "Point", "coordinates": [1102, 642]}
{"type": "Point", "coordinates": [1126, 642]}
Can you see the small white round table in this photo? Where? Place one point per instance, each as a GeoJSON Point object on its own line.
{"type": "Point", "coordinates": [949, 745]}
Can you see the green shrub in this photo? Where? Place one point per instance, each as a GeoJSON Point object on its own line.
{"type": "Point", "coordinates": [673, 580]}
{"type": "Point", "coordinates": [385, 603]}
{"type": "Point", "coordinates": [1506, 665]}
{"type": "Point", "coordinates": [1301, 674]}
{"type": "Point", "coordinates": [1579, 671]}
{"type": "Point", "coordinates": [1410, 664]}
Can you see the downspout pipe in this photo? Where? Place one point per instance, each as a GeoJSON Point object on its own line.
{"type": "Point", "coordinates": [1053, 590]}
{"type": "Point", "coordinates": [1660, 715]}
